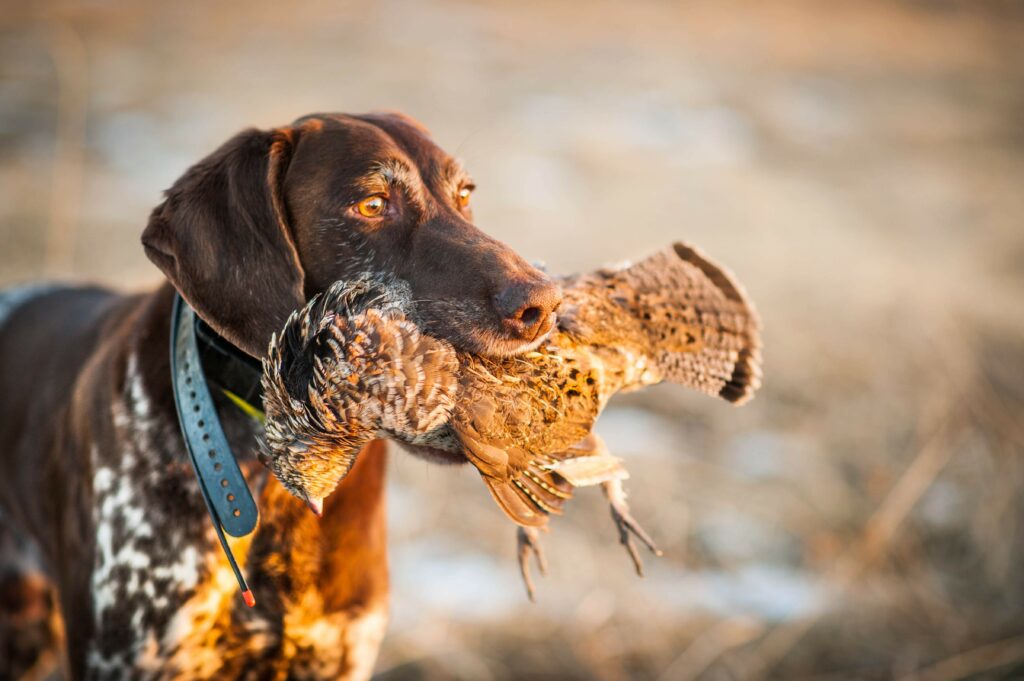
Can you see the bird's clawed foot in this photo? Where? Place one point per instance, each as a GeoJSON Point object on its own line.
{"type": "Point", "coordinates": [528, 541]}
{"type": "Point", "coordinates": [628, 527]}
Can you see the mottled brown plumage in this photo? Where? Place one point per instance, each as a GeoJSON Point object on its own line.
{"type": "Point", "coordinates": [355, 367]}
{"type": "Point", "coordinates": [347, 368]}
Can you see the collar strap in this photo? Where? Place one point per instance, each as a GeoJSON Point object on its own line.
{"type": "Point", "coordinates": [233, 371]}
{"type": "Point", "coordinates": [221, 482]}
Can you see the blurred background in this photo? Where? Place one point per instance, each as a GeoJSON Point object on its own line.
{"type": "Point", "coordinates": [858, 164]}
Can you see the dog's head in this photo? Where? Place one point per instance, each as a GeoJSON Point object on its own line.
{"type": "Point", "coordinates": [273, 217]}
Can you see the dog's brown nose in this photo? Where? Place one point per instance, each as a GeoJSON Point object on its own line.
{"type": "Point", "coordinates": [526, 307]}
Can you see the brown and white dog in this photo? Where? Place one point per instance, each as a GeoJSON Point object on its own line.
{"type": "Point", "coordinates": [94, 470]}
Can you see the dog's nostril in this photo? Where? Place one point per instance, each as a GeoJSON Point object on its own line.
{"type": "Point", "coordinates": [528, 305]}
{"type": "Point", "coordinates": [530, 316]}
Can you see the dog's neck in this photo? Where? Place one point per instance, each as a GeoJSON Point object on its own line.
{"type": "Point", "coordinates": [327, 576]}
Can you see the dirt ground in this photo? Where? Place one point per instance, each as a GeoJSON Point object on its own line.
{"type": "Point", "coordinates": [858, 165]}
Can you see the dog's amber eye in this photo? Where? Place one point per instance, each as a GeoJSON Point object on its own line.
{"type": "Point", "coordinates": [372, 206]}
{"type": "Point", "coordinates": [464, 195]}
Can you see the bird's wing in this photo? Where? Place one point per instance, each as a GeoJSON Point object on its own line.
{"type": "Point", "coordinates": [519, 484]}
{"type": "Point", "coordinates": [531, 496]}
{"type": "Point", "coordinates": [547, 481]}
{"type": "Point", "coordinates": [525, 500]}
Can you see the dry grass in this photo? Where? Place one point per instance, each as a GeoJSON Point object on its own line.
{"type": "Point", "coordinates": [858, 165]}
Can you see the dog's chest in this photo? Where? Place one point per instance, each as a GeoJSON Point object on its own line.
{"type": "Point", "coordinates": [165, 602]}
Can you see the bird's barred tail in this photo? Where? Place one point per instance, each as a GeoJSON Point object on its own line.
{"type": "Point", "coordinates": [688, 316]}
{"type": "Point", "coordinates": [725, 356]}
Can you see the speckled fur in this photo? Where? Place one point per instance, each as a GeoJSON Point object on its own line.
{"type": "Point", "coordinates": [145, 589]}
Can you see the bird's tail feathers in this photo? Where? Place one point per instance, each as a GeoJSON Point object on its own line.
{"type": "Point", "coordinates": [687, 318]}
{"type": "Point", "coordinates": [728, 361]}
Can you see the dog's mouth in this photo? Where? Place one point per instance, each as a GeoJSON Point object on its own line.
{"type": "Point", "coordinates": [459, 322]}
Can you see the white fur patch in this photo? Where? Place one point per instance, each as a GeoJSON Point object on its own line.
{"type": "Point", "coordinates": [363, 636]}
{"type": "Point", "coordinates": [128, 523]}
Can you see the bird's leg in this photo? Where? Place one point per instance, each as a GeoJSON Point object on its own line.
{"type": "Point", "coordinates": [589, 462]}
{"type": "Point", "coordinates": [628, 527]}
{"type": "Point", "coordinates": [528, 541]}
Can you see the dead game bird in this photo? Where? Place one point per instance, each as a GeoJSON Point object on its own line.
{"type": "Point", "coordinates": [352, 366]}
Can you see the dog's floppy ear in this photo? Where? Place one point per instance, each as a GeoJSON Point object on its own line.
{"type": "Point", "coordinates": [221, 237]}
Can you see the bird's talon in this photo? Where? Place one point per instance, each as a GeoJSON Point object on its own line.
{"type": "Point", "coordinates": [628, 527]}
{"type": "Point", "coordinates": [528, 541]}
